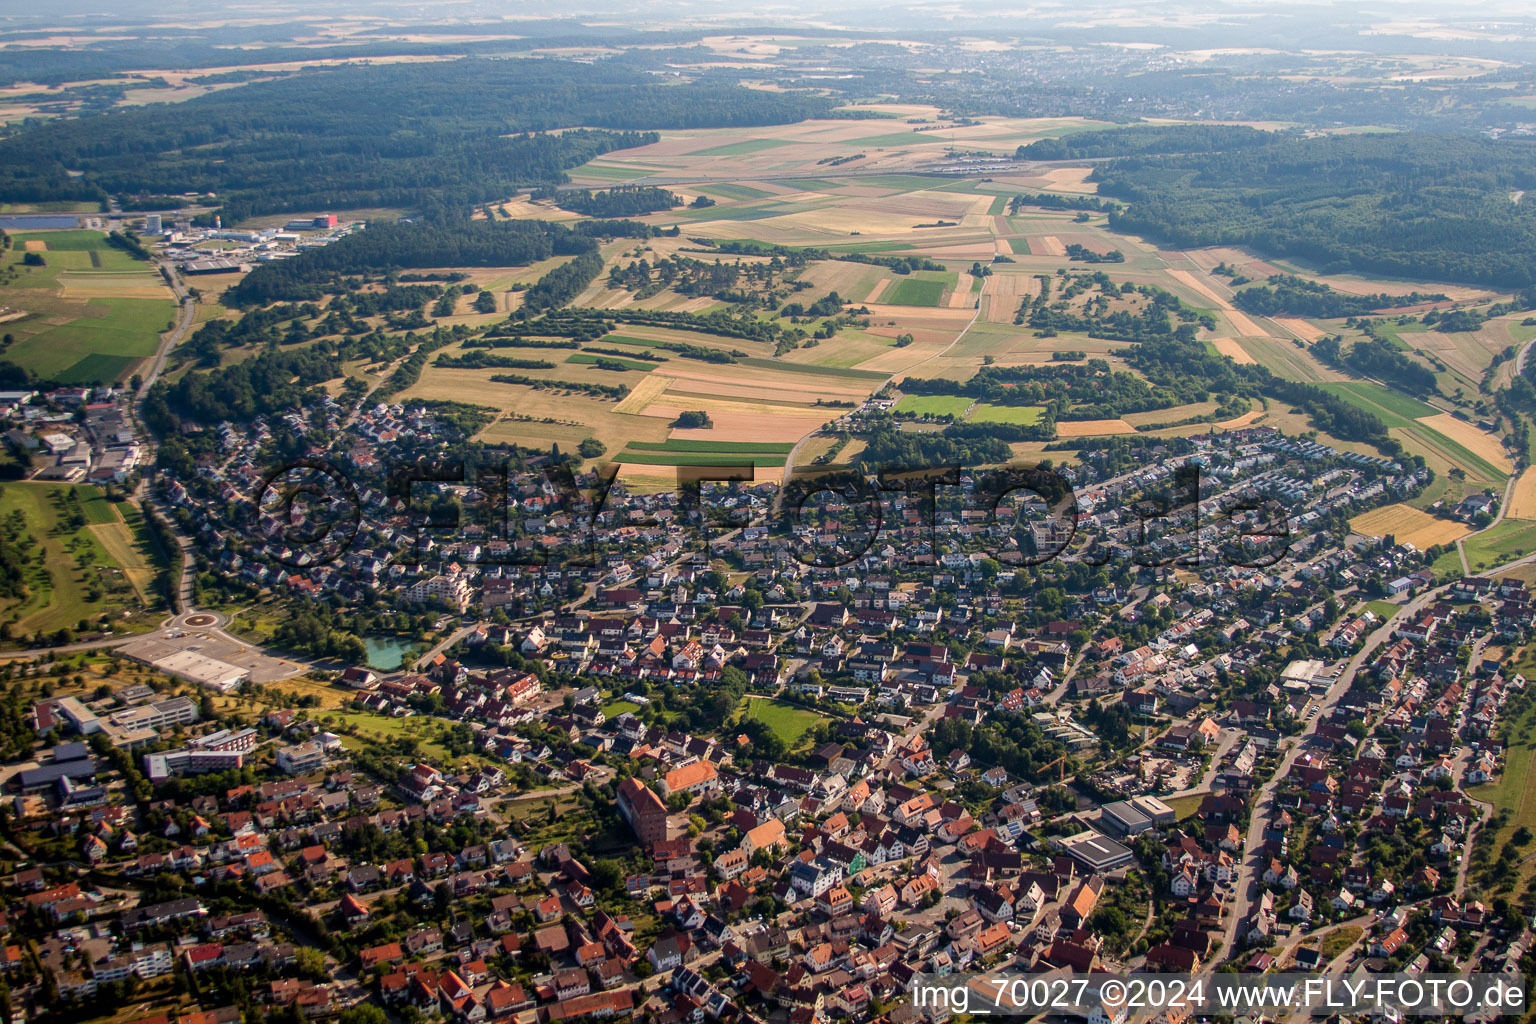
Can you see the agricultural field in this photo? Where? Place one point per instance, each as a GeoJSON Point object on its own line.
{"type": "Point", "coordinates": [918, 291]}
{"type": "Point", "coordinates": [1408, 525]}
{"type": "Point", "coordinates": [935, 318]}
{"type": "Point", "coordinates": [97, 560]}
{"type": "Point", "coordinates": [90, 314]}
{"type": "Point", "coordinates": [1023, 415]}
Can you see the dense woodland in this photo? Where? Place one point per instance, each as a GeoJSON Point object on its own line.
{"type": "Point", "coordinates": [1289, 295]}
{"type": "Point", "coordinates": [409, 135]}
{"type": "Point", "coordinates": [1408, 205]}
{"type": "Point", "coordinates": [390, 245]}
{"type": "Point", "coordinates": [619, 201]}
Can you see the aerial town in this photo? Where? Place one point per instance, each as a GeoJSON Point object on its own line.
{"type": "Point", "coordinates": [761, 513]}
{"type": "Point", "coordinates": [702, 776]}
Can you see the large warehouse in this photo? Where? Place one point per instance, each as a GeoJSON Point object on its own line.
{"type": "Point", "coordinates": [189, 665]}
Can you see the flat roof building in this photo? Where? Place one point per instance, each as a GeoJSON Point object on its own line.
{"type": "Point", "coordinates": [1095, 852]}
{"type": "Point", "coordinates": [1122, 818]}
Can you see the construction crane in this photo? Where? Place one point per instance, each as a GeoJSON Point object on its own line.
{"type": "Point", "coordinates": [1062, 761]}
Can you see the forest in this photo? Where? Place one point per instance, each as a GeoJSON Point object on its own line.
{"type": "Point", "coordinates": [409, 135]}
{"type": "Point", "coordinates": [1407, 205]}
{"type": "Point", "coordinates": [1289, 295]}
{"type": "Point", "coordinates": [388, 245]}
{"type": "Point", "coordinates": [617, 202]}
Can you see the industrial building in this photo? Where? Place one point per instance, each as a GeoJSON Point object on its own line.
{"type": "Point", "coordinates": [1135, 816]}
{"type": "Point", "coordinates": [1097, 853]}
{"type": "Point", "coordinates": [187, 664]}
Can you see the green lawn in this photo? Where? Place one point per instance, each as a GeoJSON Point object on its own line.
{"type": "Point", "coordinates": [1384, 610]}
{"type": "Point", "coordinates": [1023, 415]}
{"type": "Point", "coordinates": [933, 405]}
{"type": "Point", "coordinates": [615, 708]}
{"type": "Point", "coordinates": [787, 721]}
{"type": "Point", "coordinates": [916, 291]}
{"type": "Point", "coordinates": [1507, 541]}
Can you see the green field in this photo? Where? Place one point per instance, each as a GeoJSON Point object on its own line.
{"type": "Point", "coordinates": [1394, 409]}
{"type": "Point", "coordinates": [738, 192]}
{"type": "Point", "coordinates": [104, 566]}
{"type": "Point", "coordinates": [745, 447]}
{"type": "Point", "coordinates": [1514, 791]}
{"type": "Point", "coordinates": [933, 405]}
{"type": "Point", "coordinates": [90, 315]}
{"type": "Point", "coordinates": [914, 291]}
{"type": "Point", "coordinates": [1505, 542]}
{"type": "Point", "coordinates": [1401, 412]}
{"type": "Point", "coordinates": [787, 721]}
{"type": "Point", "coordinates": [1023, 415]}
{"type": "Point", "coordinates": [741, 148]}
{"type": "Point", "coordinates": [592, 358]}
{"type": "Point", "coordinates": [676, 458]}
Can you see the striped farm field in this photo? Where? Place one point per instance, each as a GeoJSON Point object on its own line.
{"type": "Point", "coordinates": [685, 445]}
{"type": "Point", "coordinates": [1479, 442]}
{"type": "Point", "coordinates": [641, 458]}
{"type": "Point", "coordinates": [1408, 525]}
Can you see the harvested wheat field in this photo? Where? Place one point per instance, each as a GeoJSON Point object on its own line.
{"type": "Point", "coordinates": [1092, 428]}
{"type": "Point", "coordinates": [1522, 498]}
{"type": "Point", "coordinates": [1303, 330]}
{"type": "Point", "coordinates": [1408, 525]}
{"type": "Point", "coordinates": [907, 315]}
{"type": "Point", "coordinates": [1478, 442]}
{"type": "Point", "coordinates": [1047, 245]}
{"type": "Point", "coordinates": [1241, 421]}
{"type": "Point", "coordinates": [1190, 280]}
{"type": "Point", "coordinates": [35, 245]}
{"type": "Point", "coordinates": [1230, 348]}
{"type": "Point", "coordinates": [1070, 179]}
{"type": "Point", "coordinates": [643, 394]}
{"type": "Point", "coordinates": [960, 296]}
{"type": "Point", "coordinates": [743, 421]}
